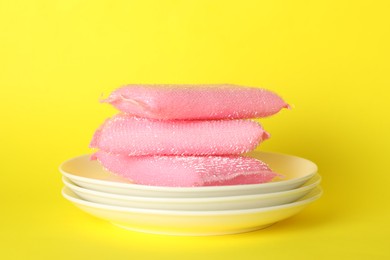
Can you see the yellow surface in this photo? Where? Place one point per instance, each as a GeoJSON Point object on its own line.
{"type": "Point", "coordinates": [330, 59]}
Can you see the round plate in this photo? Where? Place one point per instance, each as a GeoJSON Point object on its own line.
{"type": "Point", "coordinates": [198, 223]}
{"type": "Point", "coordinates": [212, 203]}
{"type": "Point", "coordinates": [91, 175]}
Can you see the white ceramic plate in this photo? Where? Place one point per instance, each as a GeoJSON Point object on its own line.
{"type": "Point", "coordinates": [200, 204]}
{"type": "Point", "coordinates": [90, 175]}
{"type": "Point", "coordinates": [198, 223]}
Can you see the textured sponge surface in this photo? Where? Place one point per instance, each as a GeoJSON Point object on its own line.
{"type": "Point", "coordinates": [186, 171]}
{"type": "Point", "coordinates": [188, 102]}
{"type": "Point", "coordinates": [124, 134]}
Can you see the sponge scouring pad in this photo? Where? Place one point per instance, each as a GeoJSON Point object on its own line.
{"type": "Point", "coordinates": [186, 171]}
{"type": "Point", "coordinates": [189, 102]}
{"type": "Point", "coordinates": [128, 135]}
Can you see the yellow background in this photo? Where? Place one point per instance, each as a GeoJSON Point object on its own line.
{"type": "Point", "coordinates": [330, 59]}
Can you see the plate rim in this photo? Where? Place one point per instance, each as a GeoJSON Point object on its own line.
{"type": "Point", "coordinates": [303, 188]}
{"type": "Point", "coordinates": [318, 192]}
{"type": "Point", "coordinates": [189, 189]}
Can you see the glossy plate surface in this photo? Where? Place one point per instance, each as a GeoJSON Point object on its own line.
{"type": "Point", "coordinates": [194, 223]}
{"type": "Point", "coordinates": [202, 203]}
{"type": "Point", "coordinates": [90, 175]}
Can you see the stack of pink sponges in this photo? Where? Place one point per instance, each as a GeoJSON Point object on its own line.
{"type": "Point", "coordinates": [182, 135]}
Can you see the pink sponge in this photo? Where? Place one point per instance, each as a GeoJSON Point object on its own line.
{"type": "Point", "coordinates": [183, 102]}
{"type": "Point", "coordinates": [128, 135]}
{"type": "Point", "coordinates": [186, 171]}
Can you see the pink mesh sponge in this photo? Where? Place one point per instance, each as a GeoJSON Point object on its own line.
{"type": "Point", "coordinates": [128, 135]}
{"type": "Point", "coordinates": [186, 171]}
{"type": "Point", "coordinates": [183, 102]}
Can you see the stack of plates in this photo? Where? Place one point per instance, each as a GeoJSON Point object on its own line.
{"type": "Point", "coordinates": [213, 210]}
